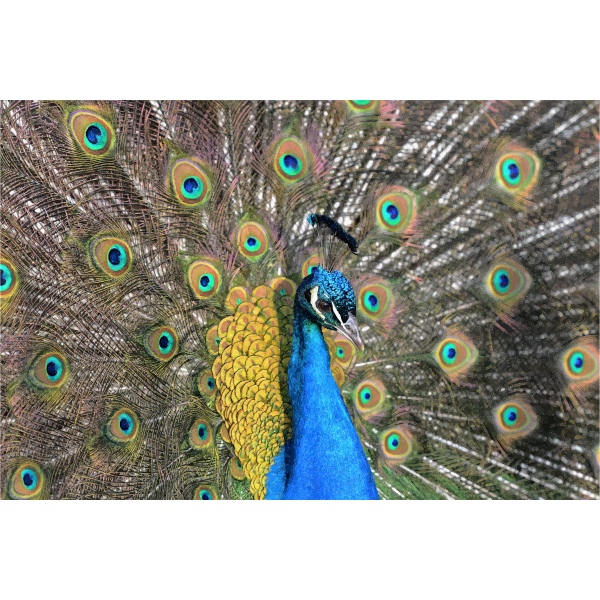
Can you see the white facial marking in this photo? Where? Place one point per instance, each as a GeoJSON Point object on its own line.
{"type": "Point", "coordinates": [337, 314]}
{"type": "Point", "coordinates": [314, 293]}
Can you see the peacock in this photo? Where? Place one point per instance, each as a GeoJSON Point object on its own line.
{"type": "Point", "coordinates": [299, 300]}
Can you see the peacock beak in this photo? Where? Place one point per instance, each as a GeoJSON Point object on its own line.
{"type": "Point", "coordinates": [349, 329]}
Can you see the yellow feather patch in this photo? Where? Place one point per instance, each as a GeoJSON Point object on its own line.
{"type": "Point", "coordinates": [251, 378]}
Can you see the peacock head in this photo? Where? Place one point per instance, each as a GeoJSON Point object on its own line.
{"type": "Point", "coordinates": [327, 299]}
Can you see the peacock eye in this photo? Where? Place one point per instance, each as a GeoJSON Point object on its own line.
{"type": "Point", "coordinates": [8, 279]}
{"type": "Point", "coordinates": [580, 363]}
{"type": "Point", "coordinates": [369, 395]}
{"type": "Point", "coordinates": [207, 384]}
{"type": "Point", "coordinates": [324, 307]}
{"type": "Point", "coordinates": [236, 469]}
{"type": "Point", "coordinates": [514, 418]}
{"type": "Point", "coordinates": [252, 240]}
{"type": "Point", "coordinates": [291, 160]}
{"type": "Point", "coordinates": [205, 493]}
{"type": "Point", "coordinates": [309, 265]}
{"type": "Point", "coordinates": [204, 279]}
{"type": "Point", "coordinates": [161, 343]}
{"type": "Point", "coordinates": [456, 354]}
{"type": "Point", "coordinates": [112, 255]}
{"type": "Point", "coordinates": [396, 444]}
{"type": "Point", "coordinates": [50, 370]}
{"type": "Point", "coordinates": [362, 106]}
{"type": "Point", "coordinates": [190, 183]}
{"type": "Point", "coordinates": [396, 210]}
{"type": "Point", "coordinates": [123, 426]}
{"type": "Point", "coordinates": [508, 282]}
{"type": "Point", "coordinates": [92, 132]}
{"type": "Point", "coordinates": [517, 171]}
{"type": "Point", "coordinates": [26, 482]}
{"type": "Point", "coordinates": [200, 434]}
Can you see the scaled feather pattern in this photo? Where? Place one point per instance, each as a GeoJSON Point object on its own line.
{"type": "Point", "coordinates": [160, 259]}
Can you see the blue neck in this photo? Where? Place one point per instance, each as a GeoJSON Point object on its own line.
{"type": "Point", "coordinates": [325, 459]}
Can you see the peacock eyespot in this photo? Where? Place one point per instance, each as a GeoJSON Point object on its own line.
{"type": "Point", "coordinates": [26, 482]}
{"type": "Point", "coordinates": [190, 182]}
{"type": "Point", "coordinates": [369, 396]}
{"type": "Point", "coordinates": [236, 296]}
{"type": "Point", "coordinates": [581, 363]}
{"type": "Point", "coordinates": [362, 106]}
{"type": "Point", "coordinates": [345, 351]}
{"type": "Point", "coordinates": [252, 241]}
{"type": "Point", "coordinates": [204, 279]}
{"type": "Point", "coordinates": [374, 300]}
{"type": "Point", "coordinates": [200, 434]}
{"type": "Point", "coordinates": [162, 343]}
{"type": "Point", "coordinates": [517, 171]}
{"type": "Point", "coordinates": [396, 210]}
{"type": "Point", "coordinates": [93, 133]}
{"type": "Point", "coordinates": [122, 427]}
{"type": "Point", "coordinates": [8, 279]}
{"type": "Point", "coordinates": [213, 339]}
{"type": "Point", "coordinates": [236, 469]}
{"type": "Point", "coordinates": [310, 264]}
{"type": "Point", "coordinates": [396, 444]}
{"type": "Point", "coordinates": [291, 160]}
{"type": "Point", "coordinates": [511, 172]}
{"type": "Point", "coordinates": [456, 354]}
{"type": "Point", "coordinates": [508, 282]}
{"type": "Point", "coordinates": [514, 418]}
{"type": "Point", "coordinates": [112, 256]}
{"type": "Point", "coordinates": [49, 370]}
{"type": "Point", "coordinates": [207, 384]}
{"type": "Point", "coordinates": [205, 493]}
{"type": "Point", "coordinates": [283, 286]}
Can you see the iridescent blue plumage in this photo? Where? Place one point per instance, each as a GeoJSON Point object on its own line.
{"type": "Point", "coordinates": [324, 458]}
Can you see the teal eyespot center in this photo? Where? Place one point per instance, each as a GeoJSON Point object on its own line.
{"type": "Point", "coordinates": [29, 478]}
{"type": "Point", "coordinates": [509, 416]}
{"type": "Point", "coordinates": [117, 257]}
{"type": "Point", "coordinates": [238, 301]}
{"type": "Point", "coordinates": [192, 188]}
{"type": "Point", "coordinates": [501, 281]}
{"type": "Point", "coordinates": [311, 269]}
{"type": "Point", "coordinates": [202, 432]}
{"type": "Point", "coordinates": [290, 164]}
{"type": "Point", "coordinates": [449, 353]}
{"type": "Point", "coordinates": [96, 136]}
{"type": "Point", "coordinates": [165, 343]}
{"type": "Point", "coordinates": [126, 423]}
{"type": "Point", "coordinates": [252, 244]}
{"type": "Point", "coordinates": [365, 395]}
{"type": "Point", "coordinates": [576, 362]}
{"type": "Point", "coordinates": [282, 292]}
{"type": "Point", "coordinates": [361, 102]}
{"type": "Point", "coordinates": [210, 383]}
{"type": "Point", "coordinates": [5, 278]}
{"type": "Point", "coordinates": [205, 495]}
{"type": "Point", "coordinates": [206, 282]}
{"type": "Point", "coordinates": [54, 368]}
{"type": "Point", "coordinates": [511, 171]}
{"type": "Point", "coordinates": [393, 442]}
{"type": "Point", "coordinates": [391, 213]}
{"type": "Point", "coordinates": [372, 302]}
{"type": "Point", "coordinates": [340, 352]}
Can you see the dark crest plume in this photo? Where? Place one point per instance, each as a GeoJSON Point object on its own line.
{"type": "Point", "coordinates": [333, 241]}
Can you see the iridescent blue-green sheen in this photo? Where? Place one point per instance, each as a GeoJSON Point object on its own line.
{"type": "Point", "coordinates": [324, 458]}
